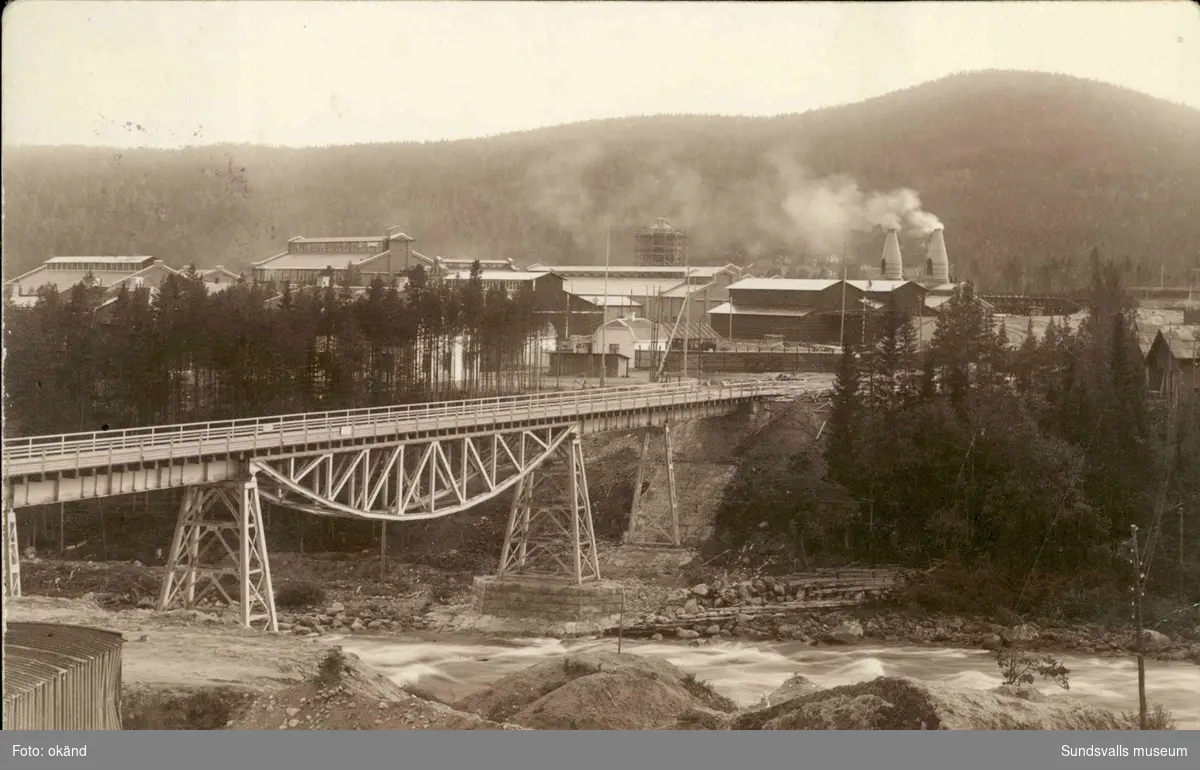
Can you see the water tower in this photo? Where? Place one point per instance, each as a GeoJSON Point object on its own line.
{"type": "Point", "coordinates": [660, 245]}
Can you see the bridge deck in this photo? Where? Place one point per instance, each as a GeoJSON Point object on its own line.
{"type": "Point", "coordinates": [41, 456]}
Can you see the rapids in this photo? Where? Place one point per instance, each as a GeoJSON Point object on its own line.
{"type": "Point", "coordinates": [450, 668]}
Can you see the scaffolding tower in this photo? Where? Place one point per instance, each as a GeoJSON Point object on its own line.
{"type": "Point", "coordinates": [660, 245]}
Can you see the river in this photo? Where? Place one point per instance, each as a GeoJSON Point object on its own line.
{"type": "Point", "coordinates": [451, 668]}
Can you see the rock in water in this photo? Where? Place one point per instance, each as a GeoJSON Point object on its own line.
{"type": "Point", "coordinates": [796, 686]}
{"type": "Point", "coordinates": [889, 703]}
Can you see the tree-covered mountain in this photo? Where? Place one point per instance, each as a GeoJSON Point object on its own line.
{"type": "Point", "coordinates": [1027, 171]}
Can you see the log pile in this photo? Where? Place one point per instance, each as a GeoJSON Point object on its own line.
{"type": "Point", "coordinates": [724, 602]}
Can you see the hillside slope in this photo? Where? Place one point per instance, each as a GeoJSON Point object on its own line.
{"type": "Point", "coordinates": [1028, 172]}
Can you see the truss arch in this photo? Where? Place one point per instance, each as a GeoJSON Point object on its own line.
{"type": "Point", "coordinates": [409, 481]}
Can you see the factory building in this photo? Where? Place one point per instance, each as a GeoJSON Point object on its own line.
{"type": "Point", "coordinates": [322, 261]}
{"type": "Point", "coordinates": [827, 311]}
{"type": "Point", "coordinates": [660, 286]}
{"type": "Point", "coordinates": [61, 274]}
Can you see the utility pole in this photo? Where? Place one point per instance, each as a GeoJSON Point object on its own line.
{"type": "Point", "coordinates": [1138, 585]}
{"type": "Point", "coordinates": [604, 313]}
{"type": "Point", "coordinates": [842, 333]}
{"type": "Point", "coordinates": [687, 299]}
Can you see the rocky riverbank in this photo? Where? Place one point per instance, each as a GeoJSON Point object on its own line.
{"type": "Point", "coordinates": [775, 609]}
{"type": "Point", "coordinates": [805, 609]}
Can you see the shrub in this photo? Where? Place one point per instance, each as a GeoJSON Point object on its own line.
{"type": "Point", "coordinates": [333, 666]}
{"type": "Point", "coordinates": [302, 594]}
{"type": "Point", "coordinates": [1158, 717]}
{"type": "Point", "coordinates": [1018, 669]}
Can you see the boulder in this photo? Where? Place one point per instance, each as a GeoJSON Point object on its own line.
{"type": "Point", "coordinates": [701, 590]}
{"type": "Point", "coordinates": [890, 703]}
{"type": "Point", "coordinates": [596, 691]}
{"type": "Point", "coordinates": [1019, 634]}
{"type": "Point", "coordinates": [796, 686]}
{"type": "Point", "coordinates": [846, 632]}
{"type": "Point", "coordinates": [1154, 641]}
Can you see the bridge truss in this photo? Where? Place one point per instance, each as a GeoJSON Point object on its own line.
{"type": "Point", "coordinates": [219, 550]}
{"type": "Point", "coordinates": [404, 463]}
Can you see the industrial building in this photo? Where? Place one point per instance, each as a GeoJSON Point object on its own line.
{"type": "Point", "coordinates": [827, 311]}
{"type": "Point", "coordinates": [360, 259]}
{"type": "Point", "coordinates": [810, 310]}
{"type": "Point", "coordinates": [217, 279]}
{"type": "Point", "coordinates": [316, 261]}
{"type": "Point", "coordinates": [61, 274]}
{"type": "Point", "coordinates": [661, 286]}
{"type": "Point", "coordinates": [1171, 363]}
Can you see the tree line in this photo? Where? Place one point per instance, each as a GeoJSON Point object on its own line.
{"type": "Point", "coordinates": [1007, 161]}
{"type": "Point", "coordinates": [1020, 468]}
{"type": "Point", "coordinates": [80, 361]}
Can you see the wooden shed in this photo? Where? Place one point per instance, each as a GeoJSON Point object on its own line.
{"type": "Point", "coordinates": [61, 677]}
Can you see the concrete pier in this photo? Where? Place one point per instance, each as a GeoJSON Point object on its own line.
{"type": "Point", "coordinates": [552, 599]}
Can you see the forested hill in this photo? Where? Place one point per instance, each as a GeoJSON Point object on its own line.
{"type": "Point", "coordinates": [1027, 171]}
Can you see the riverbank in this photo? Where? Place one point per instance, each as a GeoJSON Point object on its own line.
{"type": "Point", "coordinates": [346, 594]}
{"type": "Point", "coordinates": [197, 670]}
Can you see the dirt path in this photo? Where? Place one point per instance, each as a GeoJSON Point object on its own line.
{"type": "Point", "coordinates": [179, 650]}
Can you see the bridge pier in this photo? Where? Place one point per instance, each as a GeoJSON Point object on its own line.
{"type": "Point", "coordinates": [220, 539]}
{"type": "Point", "coordinates": [646, 526]}
{"type": "Point", "coordinates": [549, 566]}
{"type": "Point", "coordinates": [12, 555]}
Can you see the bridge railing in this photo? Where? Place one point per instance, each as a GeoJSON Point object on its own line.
{"type": "Point", "coordinates": [292, 429]}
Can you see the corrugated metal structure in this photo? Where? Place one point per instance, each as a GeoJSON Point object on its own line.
{"type": "Point", "coordinates": [60, 677]}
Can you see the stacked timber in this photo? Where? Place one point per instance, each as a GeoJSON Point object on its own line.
{"type": "Point", "coordinates": [724, 602]}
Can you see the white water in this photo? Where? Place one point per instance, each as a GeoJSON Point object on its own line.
{"type": "Point", "coordinates": [453, 668]}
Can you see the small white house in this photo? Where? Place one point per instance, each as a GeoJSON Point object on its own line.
{"type": "Point", "coordinates": [626, 336]}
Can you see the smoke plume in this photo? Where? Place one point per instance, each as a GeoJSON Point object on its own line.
{"type": "Point", "coordinates": [826, 211]}
{"type": "Point", "coordinates": [754, 204]}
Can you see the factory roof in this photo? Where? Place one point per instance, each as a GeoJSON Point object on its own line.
{"type": "Point", "coordinates": [637, 287]}
{"type": "Point", "coordinates": [695, 271]}
{"type": "Point", "coordinates": [132, 263]}
{"type": "Point", "coordinates": [27, 285]}
{"type": "Point", "coordinates": [1182, 341]}
{"type": "Point", "coordinates": [784, 284]}
{"type": "Point", "coordinates": [342, 239]}
{"type": "Point", "coordinates": [875, 286]}
{"type": "Point", "coordinates": [687, 289]}
{"type": "Point", "coordinates": [303, 261]}
{"type": "Point", "coordinates": [728, 308]}
{"type": "Point", "coordinates": [496, 275]}
{"type": "Point", "coordinates": [501, 264]}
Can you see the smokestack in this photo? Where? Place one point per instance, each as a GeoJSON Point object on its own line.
{"type": "Point", "coordinates": [893, 265]}
{"type": "Point", "coordinates": [939, 263]}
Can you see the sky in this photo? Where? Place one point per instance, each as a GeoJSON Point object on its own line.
{"type": "Point", "coordinates": [169, 74]}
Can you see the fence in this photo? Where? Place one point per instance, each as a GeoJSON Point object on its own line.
{"type": "Point", "coordinates": [740, 361]}
{"type": "Point", "coordinates": [59, 677]}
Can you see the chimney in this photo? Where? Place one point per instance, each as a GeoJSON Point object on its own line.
{"type": "Point", "coordinates": [893, 265]}
{"type": "Point", "coordinates": [939, 263]}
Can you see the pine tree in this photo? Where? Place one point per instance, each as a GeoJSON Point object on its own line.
{"type": "Point", "coordinates": [845, 418]}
